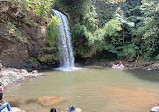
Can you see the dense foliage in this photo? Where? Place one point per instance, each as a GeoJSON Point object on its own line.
{"type": "Point", "coordinates": [37, 7]}
{"type": "Point", "coordinates": [150, 38]}
{"type": "Point", "coordinates": [132, 32]}
{"type": "Point", "coordinates": [42, 9]}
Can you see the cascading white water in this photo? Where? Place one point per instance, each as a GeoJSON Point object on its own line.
{"type": "Point", "coordinates": [64, 43]}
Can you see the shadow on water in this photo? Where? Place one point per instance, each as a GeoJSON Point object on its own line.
{"type": "Point", "coordinates": [152, 76]}
{"type": "Point", "coordinates": [96, 67]}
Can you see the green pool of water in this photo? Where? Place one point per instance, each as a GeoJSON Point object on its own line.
{"type": "Point", "coordinates": [93, 89]}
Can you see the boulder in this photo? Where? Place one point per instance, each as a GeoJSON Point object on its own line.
{"type": "Point", "coordinates": [13, 75]}
{"type": "Point", "coordinates": [34, 71]}
{"type": "Point", "coordinates": [48, 101]}
{"type": "Point", "coordinates": [23, 71]}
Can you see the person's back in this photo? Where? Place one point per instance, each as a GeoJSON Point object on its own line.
{"type": "Point", "coordinates": [1, 91]}
{"type": "Point", "coordinates": [1, 68]}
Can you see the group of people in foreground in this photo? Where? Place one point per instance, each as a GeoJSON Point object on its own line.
{"type": "Point", "coordinates": [3, 104]}
{"type": "Point", "coordinates": [71, 109]}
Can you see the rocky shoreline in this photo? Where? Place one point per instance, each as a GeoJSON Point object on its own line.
{"type": "Point", "coordinates": [12, 75]}
{"type": "Point", "coordinates": [150, 66]}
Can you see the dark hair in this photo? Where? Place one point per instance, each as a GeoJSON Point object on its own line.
{"type": "Point", "coordinates": [72, 108]}
{"type": "Point", "coordinates": [53, 110]}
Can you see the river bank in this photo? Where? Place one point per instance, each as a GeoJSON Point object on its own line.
{"type": "Point", "coordinates": [143, 65]}
{"type": "Point", "coordinates": [13, 75]}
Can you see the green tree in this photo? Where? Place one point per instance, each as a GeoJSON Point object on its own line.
{"type": "Point", "coordinates": [53, 30]}
{"type": "Point", "coordinates": [40, 8]}
{"type": "Point", "coordinates": [96, 37]}
{"type": "Point", "coordinates": [150, 36]}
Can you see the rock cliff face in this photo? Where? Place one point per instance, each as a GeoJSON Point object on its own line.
{"type": "Point", "coordinates": [21, 37]}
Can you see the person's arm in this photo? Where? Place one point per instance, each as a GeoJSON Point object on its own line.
{"type": "Point", "coordinates": [2, 90]}
{"type": "Point", "coordinates": [1, 65]}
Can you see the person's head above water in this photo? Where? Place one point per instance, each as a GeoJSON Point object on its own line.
{"type": "Point", "coordinates": [53, 110]}
{"type": "Point", "coordinates": [120, 62]}
{"type": "Point", "coordinates": [72, 108]}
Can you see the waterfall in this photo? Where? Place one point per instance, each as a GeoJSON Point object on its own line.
{"type": "Point", "coordinates": [64, 42]}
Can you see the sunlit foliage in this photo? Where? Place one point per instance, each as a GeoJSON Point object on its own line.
{"type": "Point", "coordinates": [37, 7]}
{"type": "Point", "coordinates": [117, 0]}
{"type": "Point", "coordinates": [53, 29]}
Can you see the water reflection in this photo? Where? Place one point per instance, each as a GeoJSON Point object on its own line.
{"type": "Point", "coordinates": [152, 76]}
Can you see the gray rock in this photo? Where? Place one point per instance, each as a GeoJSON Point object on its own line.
{"type": "Point", "coordinates": [149, 69]}
{"type": "Point", "coordinates": [153, 66]}
{"type": "Point", "coordinates": [23, 71]}
{"type": "Point", "coordinates": [13, 75]}
{"type": "Point", "coordinates": [35, 71]}
{"type": "Point", "coordinates": [14, 70]}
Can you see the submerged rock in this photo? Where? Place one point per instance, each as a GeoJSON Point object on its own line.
{"type": "Point", "coordinates": [50, 100]}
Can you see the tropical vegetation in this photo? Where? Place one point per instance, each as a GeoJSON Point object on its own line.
{"type": "Point", "coordinates": [129, 30]}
